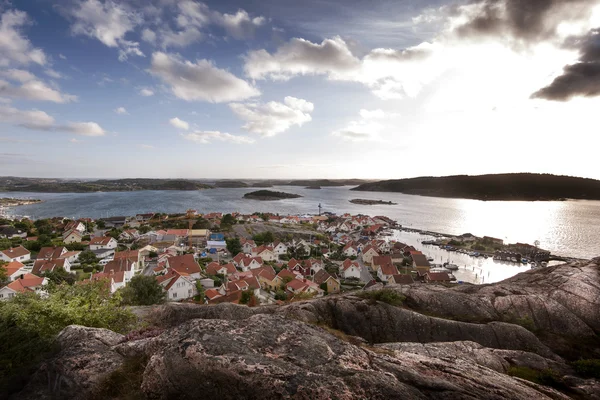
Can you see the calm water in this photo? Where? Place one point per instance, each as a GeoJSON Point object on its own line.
{"type": "Point", "coordinates": [570, 228]}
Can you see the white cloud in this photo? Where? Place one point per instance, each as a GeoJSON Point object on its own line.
{"type": "Point", "coordinates": [74, 140]}
{"type": "Point", "coordinates": [39, 120]}
{"type": "Point", "coordinates": [121, 111]}
{"type": "Point", "coordinates": [146, 146]}
{"type": "Point", "coordinates": [35, 90]}
{"type": "Point", "coordinates": [206, 137]}
{"type": "Point", "coordinates": [53, 73]}
{"type": "Point", "coordinates": [19, 75]}
{"type": "Point", "coordinates": [149, 36]}
{"type": "Point", "coordinates": [62, 56]}
{"type": "Point", "coordinates": [15, 48]}
{"type": "Point", "coordinates": [179, 124]}
{"type": "Point", "coordinates": [146, 92]}
{"type": "Point", "coordinates": [200, 80]}
{"type": "Point", "coordinates": [107, 22]}
{"type": "Point", "coordinates": [83, 128]}
{"type": "Point", "coordinates": [272, 118]}
{"type": "Point", "coordinates": [239, 25]}
{"type": "Point", "coordinates": [372, 125]}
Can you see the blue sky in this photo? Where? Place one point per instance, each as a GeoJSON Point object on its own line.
{"type": "Point", "coordinates": [287, 89]}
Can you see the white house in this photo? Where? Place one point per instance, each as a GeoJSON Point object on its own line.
{"type": "Point", "coordinates": [75, 225]}
{"type": "Point", "coordinates": [350, 269]}
{"type": "Point", "coordinates": [249, 263]}
{"type": "Point", "coordinates": [350, 250]}
{"type": "Point", "coordinates": [72, 236]}
{"type": "Point", "coordinates": [386, 271]}
{"type": "Point", "coordinates": [19, 253]}
{"type": "Point", "coordinates": [124, 265]}
{"type": "Point", "coordinates": [247, 246]}
{"type": "Point", "coordinates": [179, 286]}
{"type": "Point", "coordinates": [41, 266]}
{"type": "Point", "coordinates": [280, 248]}
{"type": "Point", "coordinates": [117, 280]}
{"type": "Point", "coordinates": [14, 269]}
{"type": "Point", "coordinates": [368, 254]}
{"type": "Point", "coordinates": [28, 283]}
{"type": "Point", "coordinates": [103, 243]}
{"type": "Point", "coordinates": [264, 252]}
{"type": "Point", "coordinates": [72, 256]}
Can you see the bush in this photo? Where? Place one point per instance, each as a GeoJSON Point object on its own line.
{"type": "Point", "coordinates": [88, 269]}
{"type": "Point", "coordinates": [143, 291]}
{"type": "Point", "coordinates": [590, 368]}
{"type": "Point", "coordinates": [388, 296]}
{"type": "Point", "coordinates": [546, 377]}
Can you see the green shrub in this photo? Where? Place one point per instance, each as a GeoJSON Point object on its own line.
{"type": "Point", "coordinates": [590, 368]}
{"type": "Point", "coordinates": [388, 296]}
{"type": "Point", "coordinates": [546, 377]}
{"type": "Point", "coordinates": [88, 269]}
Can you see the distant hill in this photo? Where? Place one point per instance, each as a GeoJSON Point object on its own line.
{"type": "Point", "coordinates": [41, 185]}
{"type": "Point", "coordinates": [522, 186]}
{"type": "Point", "coordinates": [326, 182]}
{"type": "Point", "coordinates": [231, 184]}
{"type": "Point", "coordinates": [268, 195]}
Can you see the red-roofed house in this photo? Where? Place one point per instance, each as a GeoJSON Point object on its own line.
{"type": "Point", "coordinates": [116, 279]}
{"type": "Point", "coordinates": [247, 245]}
{"type": "Point", "coordinates": [41, 266]}
{"type": "Point", "coordinates": [18, 253]}
{"type": "Point", "coordinates": [437, 277]}
{"type": "Point", "coordinates": [280, 248]}
{"type": "Point", "coordinates": [72, 236]}
{"type": "Point", "coordinates": [178, 285]}
{"type": "Point", "coordinates": [378, 261]}
{"type": "Point", "coordinates": [103, 243]}
{"type": "Point", "coordinates": [385, 271]}
{"type": "Point", "coordinates": [249, 263]}
{"type": "Point", "coordinates": [50, 253]}
{"type": "Point", "coordinates": [350, 250]}
{"type": "Point", "coordinates": [215, 268]}
{"type": "Point", "coordinates": [127, 267]}
{"type": "Point", "coordinates": [185, 264]}
{"type": "Point", "coordinates": [238, 258]}
{"type": "Point", "coordinates": [401, 279]}
{"type": "Point", "coordinates": [28, 283]}
{"type": "Point", "coordinates": [264, 252]}
{"type": "Point", "coordinates": [368, 253]}
{"type": "Point", "coordinates": [350, 269]}
{"type": "Point", "coordinates": [14, 269]}
{"type": "Point", "coordinates": [324, 277]}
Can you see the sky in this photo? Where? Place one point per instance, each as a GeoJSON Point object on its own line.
{"type": "Point", "coordinates": [268, 89]}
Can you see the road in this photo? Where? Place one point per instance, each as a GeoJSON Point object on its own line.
{"type": "Point", "coordinates": [365, 275]}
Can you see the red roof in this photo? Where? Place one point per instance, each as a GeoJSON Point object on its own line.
{"type": "Point", "coordinates": [13, 267]}
{"type": "Point", "coordinates": [402, 279]}
{"type": "Point", "coordinates": [118, 265]}
{"type": "Point", "coordinates": [177, 232]}
{"type": "Point", "coordinates": [438, 276]}
{"type": "Point", "coordinates": [100, 240]}
{"type": "Point", "coordinates": [389, 269]}
{"type": "Point", "coordinates": [47, 265]}
{"type": "Point", "coordinates": [296, 285]}
{"type": "Point", "coordinates": [185, 263]}
{"type": "Point", "coordinates": [50, 252]}
{"type": "Point", "coordinates": [212, 294]}
{"type": "Point", "coordinates": [27, 284]}
{"type": "Point", "coordinates": [381, 260]}
{"type": "Point", "coordinates": [16, 252]}
{"type": "Point", "coordinates": [349, 263]}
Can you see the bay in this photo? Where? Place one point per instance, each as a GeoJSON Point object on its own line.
{"type": "Point", "coordinates": [568, 228]}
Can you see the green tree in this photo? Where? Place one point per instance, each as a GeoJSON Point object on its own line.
{"type": "Point", "coordinates": [3, 275]}
{"type": "Point", "coordinates": [247, 296]}
{"type": "Point", "coordinates": [227, 220]}
{"type": "Point", "coordinates": [60, 276]}
{"type": "Point", "coordinates": [88, 257]}
{"type": "Point", "coordinates": [101, 224]}
{"type": "Point", "coordinates": [234, 246]}
{"type": "Point", "coordinates": [5, 244]}
{"type": "Point", "coordinates": [143, 290]}
{"type": "Point", "coordinates": [44, 240]}
{"type": "Point", "coordinates": [280, 295]}
{"type": "Point", "coordinates": [323, 286]}
{"type": "Point", "coordinates": [200, 290]}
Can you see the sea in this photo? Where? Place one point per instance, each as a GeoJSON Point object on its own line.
{"type": "Point", "coordinates": [567, 228]}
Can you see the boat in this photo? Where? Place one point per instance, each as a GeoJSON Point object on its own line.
{"type": "Point", "coordinates": [513, 259]}
{"type": "Point", "coordinates": [430, 259]}
{"type": "Point", "coordinates": [451, 267]}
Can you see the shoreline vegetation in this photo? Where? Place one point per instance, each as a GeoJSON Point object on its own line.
{"type": "Point", "coordinates": [269, 195]}
{"type": "Point", "coordinates": [367, 202]}
{"type": "Point", "coordinates": [10, 202]}
{"type": "Point", "coordinates": [51, 185]}
{"type": "Point", "coordinates": [496, 187]}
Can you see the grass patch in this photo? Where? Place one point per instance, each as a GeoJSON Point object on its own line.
{"type": "Point", "coordinates": [589, 368]}
{"type": "Point", "coordinates": [546, 377]}
{"type": "Point", "coordinates": [388, 296]}
{"type": "Point", "coordinates": [124, 383]}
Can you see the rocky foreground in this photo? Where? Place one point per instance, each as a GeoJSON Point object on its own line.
{"type": "Point", "coordinates": [459, 342]}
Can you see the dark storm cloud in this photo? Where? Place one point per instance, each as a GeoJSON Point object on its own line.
{"type": "Point", "coordinates": [524, 20]}
{"type": "Point", "coordinates": [581, 78]}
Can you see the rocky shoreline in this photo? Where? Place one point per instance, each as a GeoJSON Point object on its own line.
{"type": "Point", "coordinates": [269, 195]}
{"type": "Point", "coordinates": [10, 202]}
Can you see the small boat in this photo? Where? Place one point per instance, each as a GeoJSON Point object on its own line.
{"type": "Point", "coordinates": [451, 267]}
{"type": "Point", "coordinates": [430, 259]}
{"type": "Point", "coordinates": [513, 259]}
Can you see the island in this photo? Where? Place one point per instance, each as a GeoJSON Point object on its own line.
{"type": "Point", "coordinates": [313, 187]}
{"type": "Point", "coordinates": [231, 184]}
{"type": "Point", "coordinates": [46, 185]}
{"type": "Point", "coordinates": [10, 202]}
{"type": "Point", "coordinates": [268, 195]}
{"type": "Point", "coordinates": [325, 182]}
{"type": "Point", "coordinates": [371, 202]}
{"type": "Point", "coordinates": [522, 186]}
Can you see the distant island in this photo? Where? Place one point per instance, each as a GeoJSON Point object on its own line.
{"type": "Point", "coordinates": [10, 202]}
{"type": "Point", "coordinates": [231, 184]}
{"type": "Point", "coordinates": [325, 182]}
{"type": "Point", "coordinates": [371, 202]}
{"type": "Point", "coordinates": [523, 186]}
{"type": "Point", "coordinates": [313, 187]}
{"type": "Point", "coordinates": [42, 185]}
{"type": "Point", "coordinates": [268, 195]}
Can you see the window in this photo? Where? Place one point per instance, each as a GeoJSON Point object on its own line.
{"type": "Point", "coordinates": [1, 295]}
{"type": "Point", "coordinates": [10, 295]}
{"type": "Point", "coordinates": [174, 295]}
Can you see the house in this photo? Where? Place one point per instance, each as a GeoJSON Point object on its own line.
{"type": "Point", "coordinates": [264, 252]}
{"type": "Point", "coordinates": [249, 263]}
{"type": "Point", "coordinates": [280, 248]}
{"type": "Point", "coordinates": [129, 234]}
{"type": "Point", "coordinates": [215, 268]}
{"type": "Point", "coordinates": [492, 240]}
{"type": "Point", "coordinates": [420, 263]}
{"type": "Point", "coordinates": [368, 253]}
{"type": "Point", "coordinates": [144, 218]}
{"type": "Point", "coordinates": [71, 256]}
{"type": "Point", "coordinates": [245, 284]}
{"type": "Point", "coordinates": [212, 294]}
{"type": "Point", "coordinates": [332, 284]}
{"type": "Point", "coordinates": [400, 279]}
{"type": "Point", "coordinates": [178, 285]}
{"type": "Point", "coordinates": [350, 250]}
{"type": "Point", "coordinates": [51, 253]}
{"type": "Point", "coordinates": [133, 256]}
{"type": "Point", "coordinates": [467, 238]}
{"type": "Point", "coordinates": [72, 236]}
{"type": "Point", "coordinates": [313, 265]}
{"type": "Point", "coordinates": [103, 243]}
{"type": "Point", "coordinates": [115, 279]}
{"type": "Point", "coordinates": [127, 267]}
{"type": "Point", "coordinates": [103, 253]}
{"type": "Point", "coordinates": [14, 269]}
{"type": "Point", "coordinates": [9, 232]}
{"type": "Point", "coordinates": [350, 269]}
{"type": "Point", "coordinates": [437, 277]}
{"type": "Point", "coordinates": [185, 264]}
{"type": "Point", "coordinates": [282, 277]}
{"type": "Point", "coordinates": [18, 253]}
{"type": "Point", "coordinates": [175, 234]}
{"type": "Point", "coordinates": [238, 258]}
{"type": "Point", "coordinates": [247, 245]}
{"type": "Point", "coordinates": [41, 266]}
{"type": "Point", "coordinates": [75, 225]}
{"type": "Point", "coordinates": [114, 222]}
{"type": "Point", "coordinates": [385, 271]}
{"type": "Point", "coordinates": [378, 261]}
{"type": "Point", "coordinates": [299, 267]}
{"type": "Point", "coordinates": [26, 283]}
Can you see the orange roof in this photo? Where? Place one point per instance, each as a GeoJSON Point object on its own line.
{"type": "Point", "coordinates": [100, 240]}
{"type": "Point", "coordinates": [16, 252]}
{"type": "Point", "coordinates": [27, 284]}
{"type": "Point", "coordinates": [212, 294]}
{"type": "Point", "coordinates": [50, 252]}
{"type": "Point", "coordinates": [185, 263]}
{"type": "Point", "coordinates": [13, 267]}
{"type": "Point", "coordinates": [47, 265]}
{"type": "Point", "coordinates": [349, 263]}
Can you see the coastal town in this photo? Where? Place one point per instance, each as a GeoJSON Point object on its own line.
{"type": "Point", "coordinates": [239, 258]}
